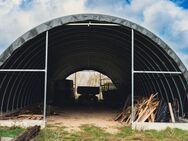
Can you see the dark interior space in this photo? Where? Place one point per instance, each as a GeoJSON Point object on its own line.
{"type": "Point", "coordinates": [103, 94]}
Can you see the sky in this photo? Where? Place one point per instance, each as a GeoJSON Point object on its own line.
{"type": "Point", "coordinates": [168, 19]}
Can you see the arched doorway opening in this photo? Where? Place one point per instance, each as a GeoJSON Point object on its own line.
{"type": "Point", "coordinates": [85, 97]}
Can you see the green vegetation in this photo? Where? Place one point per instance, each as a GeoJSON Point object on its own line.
{"type": "Point", "coordinates": [55, 133]}
{"type": "Point", "coordinates": [10, 132]}
{"type": "Point", "coordinates": [93, 133]}
{"type": "Point", "coordinates": [168, 134]}
{"type": "Point", "coordinates": [125, 132]}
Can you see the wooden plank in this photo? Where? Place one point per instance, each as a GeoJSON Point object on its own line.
{"type": "Point", "coordinates": [171, 112]}
{"type": "Point", "coordinates": [152, 117]}
{"type": "Point", "coordinates": [146, 107]}
{"type": "Point", "coordinates": [118, 116]}
{"type": "Point", "coordinates": [145, 118]}
{"type": "Point", "coordinates": [29, 134]}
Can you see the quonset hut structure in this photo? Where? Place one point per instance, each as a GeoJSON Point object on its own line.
{"type": "Point", "coordinates": [132, 56]}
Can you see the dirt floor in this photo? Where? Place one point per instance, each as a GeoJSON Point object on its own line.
{"type": "Point", "coordinates": [74, 117]}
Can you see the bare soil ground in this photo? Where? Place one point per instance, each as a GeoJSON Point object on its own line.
{"type": "Point", "coordinates": [74, 117]}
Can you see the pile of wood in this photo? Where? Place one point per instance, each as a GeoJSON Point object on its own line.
{"type": "Point", "coordinates": [29, 117]}
{"type": "Point", "coordinates": [29, 113]}
{"type": "Point", "coordinates": [8, 115]}
{"type": "Point", "coordinates": [22, 117]}
{"type": "Point", "coordinates": [33, 112]}
{"type": "Point", "coordinates": [144, 110]}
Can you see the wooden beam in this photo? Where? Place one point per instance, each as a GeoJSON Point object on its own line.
{"type": "Point", "coordinates": [29, 134]}
{"type": "Point", "coordinates": [171, 112]}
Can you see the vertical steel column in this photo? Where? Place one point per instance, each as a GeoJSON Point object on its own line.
{"type": "Point", "coordinates": [45, 81]}
{"type": "Point", "coordinates": [100, 83]}
{"type": "Point", "coordinates": [132, 76]}
{"type": "Point", "coordinates": [75, 85]}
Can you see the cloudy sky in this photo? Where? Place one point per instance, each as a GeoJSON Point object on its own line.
{"type": "Point", "coordinates": [166, 18]}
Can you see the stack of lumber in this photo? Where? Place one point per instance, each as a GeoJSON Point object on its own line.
{"type": "Point", "coordinates": [29, 117]}
{"type": "Point", "coordinates": [23, 117]}
{"type": "Point", "coordinates": [144, 110]}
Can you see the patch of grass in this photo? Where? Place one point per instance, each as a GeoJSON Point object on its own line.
{"type": "Point", "coordinates": [154, 134]}
{"type": "Point", "coordinates": [10, 132]}
{"type": "Point", "coordinates": [51, 126]}
{"type": "Point", "coordinates": [54, 133]}
{"type": "Point", "coordinates": [124, 132]}
{"type": "Point", "coordinates": [72, 137]}
{"type": "Point", "coordinates": [168, 134]}
{"type": "Point", "coordinates": [49, 135]}
{"type": "Point", "coordinates": [176, 134]}
{"type": "Point", "coordinates": [182, 134]}
{"type": "Point", "coordinates": [93, 132]}
{"type": "Point", "coordinates": [88, 132]}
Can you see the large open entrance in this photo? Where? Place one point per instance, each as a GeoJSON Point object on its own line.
{"type": "Point", "coordinates": [85, 97]}
{"type": "Point", "coordinates": [137, 61]}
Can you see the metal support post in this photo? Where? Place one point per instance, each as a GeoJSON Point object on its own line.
{"type": "Point", "coordinates": [45, 81]}
{"type": "Point", "coordinates": [132, 77]}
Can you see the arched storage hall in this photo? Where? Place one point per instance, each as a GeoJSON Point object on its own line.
{"type": "Point", "coordinates": [116, 47]}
